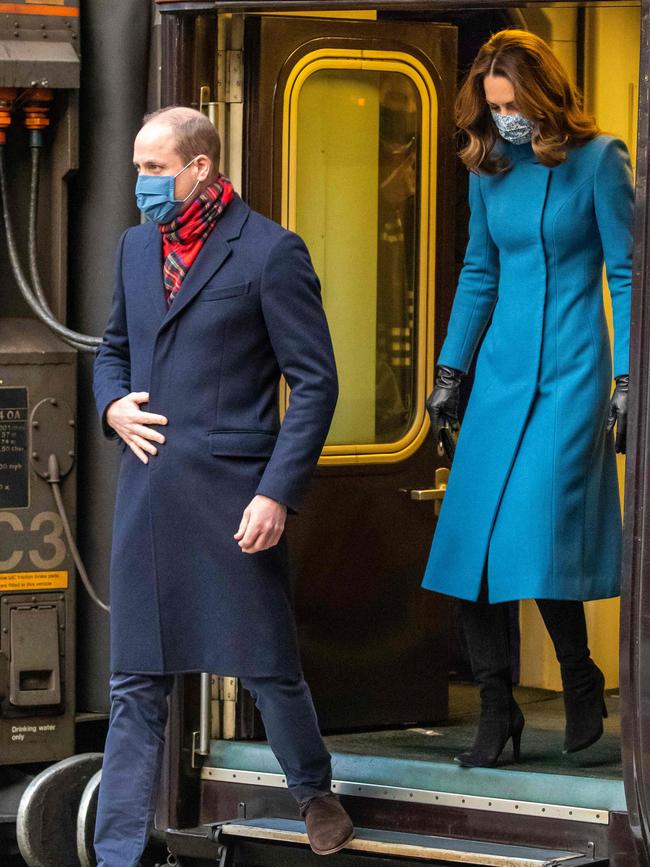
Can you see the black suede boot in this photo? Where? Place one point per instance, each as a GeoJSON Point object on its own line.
{"type": "Point", "coordinates": [584, 705]}
{"type": "Point", "coordinates": [583, 681]}
{"type": "Point", "coordinates": [486, 630]}
{"type": "Point", "coordinates": [499, 722]}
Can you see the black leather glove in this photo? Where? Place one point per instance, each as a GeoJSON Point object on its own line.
{"type": "Point", "coordinates": [442, 403]}
{"type": "Point", "coordinates": [618, 412]}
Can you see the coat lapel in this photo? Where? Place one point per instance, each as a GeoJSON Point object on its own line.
{"type": "Point", "coordinates": [152, 269]}
{"type": "Point", "coordinates": [211, 257]}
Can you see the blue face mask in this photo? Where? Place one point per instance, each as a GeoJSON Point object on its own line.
{"type": "Point", "coordinates": [514, 128]}
{"type": "Point", "coordinates": [155, 196]}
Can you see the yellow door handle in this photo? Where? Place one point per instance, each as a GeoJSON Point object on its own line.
{"type": "Point", "coordinates": [436, 494]}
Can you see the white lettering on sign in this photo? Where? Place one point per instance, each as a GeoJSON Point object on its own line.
{"type": "Point", "coordinates": [18, 732]}
{"type": "Point", "coordinates": [11, 414]}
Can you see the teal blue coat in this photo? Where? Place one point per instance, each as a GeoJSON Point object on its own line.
{"type": "Point", "coordinates": [533, 492]}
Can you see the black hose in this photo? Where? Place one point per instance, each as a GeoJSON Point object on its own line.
{"type": "Point", "coordinates": [83, 342]}
{"type": "Point", "coordinates": [54, 479]}
{"type": "Point", "coordinates": [79, 341]}
{"type": "Point", "coordinates": [37, 286]}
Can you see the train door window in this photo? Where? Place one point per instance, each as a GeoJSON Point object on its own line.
{"type": "Point", "coordinates": [359, 164]}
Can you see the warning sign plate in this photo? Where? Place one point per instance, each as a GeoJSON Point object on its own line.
{"type": "Point", "coordinates": [11, 581]}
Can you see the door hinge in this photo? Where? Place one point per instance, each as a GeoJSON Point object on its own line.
{"type": "Point", "coordinates": [229, 708]}
{"type": "Point", "coordinates": [230, 75]}
{"type": "Point", "coordinates": [235, 80]}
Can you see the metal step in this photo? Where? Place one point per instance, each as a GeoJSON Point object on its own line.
{"type": "Point", "coordinates": [412, 847]}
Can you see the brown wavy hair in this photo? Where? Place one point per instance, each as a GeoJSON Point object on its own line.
{"type": "Point", "coordinates": [543, 94]}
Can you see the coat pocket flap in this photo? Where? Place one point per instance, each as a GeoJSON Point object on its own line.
{"type": "Point", "coordinates": [217, 293]}
{"type": "Point", "coordinates": [235, 443]}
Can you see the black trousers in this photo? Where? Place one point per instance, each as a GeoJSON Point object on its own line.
{"type": "Point", "coordinates": [486, 630]}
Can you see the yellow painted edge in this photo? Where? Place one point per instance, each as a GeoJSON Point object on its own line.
{"type": "Point", "coordinates": [406, 64]}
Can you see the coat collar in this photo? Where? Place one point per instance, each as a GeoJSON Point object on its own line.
{"type": "Point", "coordinates": [525, 152]}
{"type": "Point", "coordinates": [211, 257]}
{"type": "Point", "coordinates": [515, 153]}
{"type": "Point", "coordinates": [521, 151]}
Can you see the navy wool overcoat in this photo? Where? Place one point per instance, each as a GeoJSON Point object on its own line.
{"type": "Point", "coordinates": [533, 493]}
{"type": "Point", "coordinates": [184, 597]}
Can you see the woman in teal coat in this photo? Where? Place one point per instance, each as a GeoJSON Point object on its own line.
{"type": "Point", "coordinates": [532, 506]}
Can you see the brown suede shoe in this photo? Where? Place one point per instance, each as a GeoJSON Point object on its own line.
{"type": "Point", "coordinates": [329, 827]}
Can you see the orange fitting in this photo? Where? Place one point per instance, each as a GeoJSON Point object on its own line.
{"type": "Point", "coordinates": [7, 99]}
{"type": "Point", "coordinates": [37, 109]}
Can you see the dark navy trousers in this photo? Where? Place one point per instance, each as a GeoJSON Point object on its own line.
{"type": "Point", "coordinates": [134, 747]}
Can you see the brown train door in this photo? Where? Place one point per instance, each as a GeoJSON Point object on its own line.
{"type": "Point", "coordinates": [349, 142]}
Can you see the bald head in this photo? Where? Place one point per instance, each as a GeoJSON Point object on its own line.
{"type": "Point", "coordinates": [182, 143]}
{"type": "Point", "coordinates": [191, 131]}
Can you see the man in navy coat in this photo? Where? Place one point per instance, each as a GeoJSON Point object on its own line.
{"type": "Point", "coordinates": [212, 303]}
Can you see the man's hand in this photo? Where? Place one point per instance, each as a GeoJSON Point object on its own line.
{"type": "Point", "coordinates": [262, 524]}
{"type": "Point", "coordinates": [130, 423]}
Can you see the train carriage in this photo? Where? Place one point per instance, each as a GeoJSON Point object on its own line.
{"type": "Point", "coordinates": [336, 120]}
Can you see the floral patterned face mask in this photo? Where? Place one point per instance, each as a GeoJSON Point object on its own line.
{"type": "Point", "coordinates": [514, 128]}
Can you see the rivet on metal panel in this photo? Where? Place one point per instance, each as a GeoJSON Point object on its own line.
{"type": "Point", "coordinates": [34, 424]}
{"type": "Point", "coordinates": [70, 454]}
{"type": "Point", "coordinates": [35, 455]}
{"type": "Point", "coordinates": [53, 401]}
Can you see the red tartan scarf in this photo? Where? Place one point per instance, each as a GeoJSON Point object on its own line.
{"type": "Point", "coordinates": [184, 236]}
